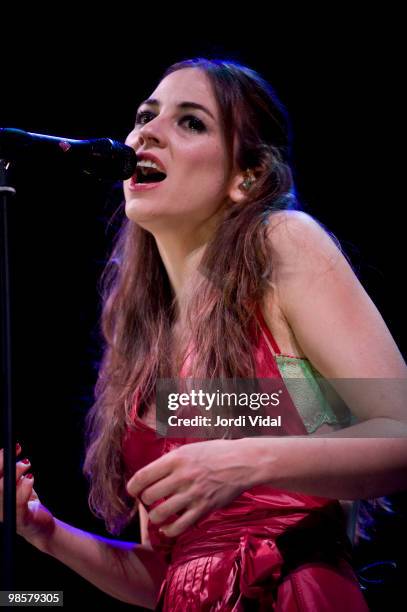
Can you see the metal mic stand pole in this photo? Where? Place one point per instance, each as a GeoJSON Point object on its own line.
{"type": "Point", "coordinates": [7, 194]}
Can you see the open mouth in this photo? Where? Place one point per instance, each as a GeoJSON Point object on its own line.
{"type": "Point", "coordinates": [148, 175]}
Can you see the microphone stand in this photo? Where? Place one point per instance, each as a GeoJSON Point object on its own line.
{"type": "Point", "coordinates": [105, 158]}
{"type": "Point", "coordinates": [9, 507]}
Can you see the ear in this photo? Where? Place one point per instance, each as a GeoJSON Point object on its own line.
{"type": "Point", "coordinates": [239, 187]}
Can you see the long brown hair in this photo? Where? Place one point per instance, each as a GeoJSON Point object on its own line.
{"type": "Point", "coordinates": [139, 307]}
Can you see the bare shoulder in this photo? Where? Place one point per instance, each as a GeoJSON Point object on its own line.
{"type": "Point", "coordinates": [300, 248]}
{"type": "Point", "coordinates": [303, 251]}
{"type": "Point", "coordinates": [294, 233]}
{"type": "Point", "coordinates": [284, 222]}
{"type": "Point", "coordinates": [323, 302]}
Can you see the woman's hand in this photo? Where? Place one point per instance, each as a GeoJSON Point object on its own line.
{"type": "Point", "coordinates": [33, 521]}
{"type": "Point", "coordinates": [195, 478]}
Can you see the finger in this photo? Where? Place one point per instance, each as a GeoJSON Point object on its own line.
{"type": "Point", "coordinates": [180, 525]}
{"type": "Point", "coordinates": [18, 451]}
{"type": "Point", "coordinates": [21, 468]}
{"type": "Point", "coordinates": [24, 491]}
{"type": "Point", "coordinates": [148, 475]}
{"type": "Point", "coordinates": [33, 496]}
{"type": "Point", "coordinates": [167, 508]}
{"type": "Point", "coordinates": [162, 488]}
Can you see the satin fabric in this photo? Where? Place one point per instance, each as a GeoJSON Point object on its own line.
{"type": "Point", "coordinates": [268, 549]}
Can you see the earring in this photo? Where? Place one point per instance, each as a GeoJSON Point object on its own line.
{"type": "Point", "coordinates": [249, 180]}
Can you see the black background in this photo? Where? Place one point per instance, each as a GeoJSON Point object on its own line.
{"type": "Point", "coordinates": [339, 76]}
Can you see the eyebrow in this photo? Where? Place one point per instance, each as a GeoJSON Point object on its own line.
{"type": "Point", "coordinates": [186, 104]}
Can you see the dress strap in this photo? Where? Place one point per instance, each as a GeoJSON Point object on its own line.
{"type": "Point", "coordinates": [266, 329]}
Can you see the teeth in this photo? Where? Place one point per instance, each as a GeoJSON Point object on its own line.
{"type": "Point", "coordinates": [147, 163]}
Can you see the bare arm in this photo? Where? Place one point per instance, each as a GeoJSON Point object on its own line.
{"type": "Point", "coordinates": [342, 333]}
{"type": "Point", "coordinates": [128, 571]}
{"type": "Point", "coordinates": [344, 468]}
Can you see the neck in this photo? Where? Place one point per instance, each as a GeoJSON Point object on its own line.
{"type": "Point", "coordinates": [181, 252]}
{"type": "Point", "coordinates": [181, 259]}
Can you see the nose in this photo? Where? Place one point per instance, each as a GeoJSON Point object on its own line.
{"type": "Point", "coordinates": [150, 133]}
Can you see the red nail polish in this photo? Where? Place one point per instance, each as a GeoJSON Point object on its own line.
{"type": "Point", "coordinates": [29, 476]}
{"type": "Point", "coordinates": [26, 461]}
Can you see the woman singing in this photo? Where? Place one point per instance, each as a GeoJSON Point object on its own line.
{"type": "Point", "coordinates": [217, 273]}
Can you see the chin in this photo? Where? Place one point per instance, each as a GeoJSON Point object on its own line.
{"type": "Point", "coordinates": [147, 216]}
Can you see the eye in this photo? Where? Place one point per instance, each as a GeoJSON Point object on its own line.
{"type": "Point", "coordinates": [143, 115]}
{"type": "Point", "coordinates": [196, 124]}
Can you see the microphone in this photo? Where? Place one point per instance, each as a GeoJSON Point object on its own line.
{"type": "Point", "coordinates": [101, 158]}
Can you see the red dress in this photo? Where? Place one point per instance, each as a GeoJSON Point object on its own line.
{"type": "Point", "coordinates": [267, 550]}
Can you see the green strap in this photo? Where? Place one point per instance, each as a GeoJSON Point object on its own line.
{"type": "Point", "coordinates": [316, 406]}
